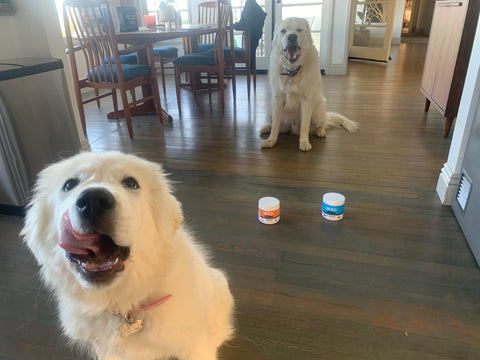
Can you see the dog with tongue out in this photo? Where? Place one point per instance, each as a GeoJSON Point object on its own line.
{"type": "Point", "coordinates": [129, 279]}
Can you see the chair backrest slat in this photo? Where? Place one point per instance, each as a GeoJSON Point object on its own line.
{"type": "Point", "coordinates": [90, 23]}
{"type": "Point", "coordinates": [224, 35]}
{"type": "Point", "coordinates": [207, 14]}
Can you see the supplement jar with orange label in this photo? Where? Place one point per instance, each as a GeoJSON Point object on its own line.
{"type": "Point", "coordinates": [268, 210]}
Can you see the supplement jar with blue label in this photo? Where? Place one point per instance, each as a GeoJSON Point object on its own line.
{"type": "Point", "coordinates": [333, 206]}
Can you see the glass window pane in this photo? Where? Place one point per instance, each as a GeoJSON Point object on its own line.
{"type": "Point", "coordinates": [368, 36]}
{"type": "Point", "coordinates": [294, 2]}
{"type": "Point", "coordinates": [372, 12]}
{"type": "Point", "coordinates": [316, 40]}
{"type": "Point", "coordinates": [315, 21]}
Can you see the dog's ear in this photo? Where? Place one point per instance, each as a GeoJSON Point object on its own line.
{"type": "Point", "coordinates": [165, 206]}
{"type": "Point", "coordinates": [176, 214]}
{"type": "Point", "coordinates": [276, 42]}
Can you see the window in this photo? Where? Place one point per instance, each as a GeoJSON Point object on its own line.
{"type": "Point", "coordinates": [180, 5]}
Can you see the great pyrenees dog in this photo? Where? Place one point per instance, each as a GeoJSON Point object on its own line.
{"type": "Point", "coordinates": [297, 105]}
{"type": "Point", "coordinates": [130, 281]}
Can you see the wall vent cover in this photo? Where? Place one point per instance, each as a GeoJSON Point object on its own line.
{"type": "Point", "coordinates": [464, 190]}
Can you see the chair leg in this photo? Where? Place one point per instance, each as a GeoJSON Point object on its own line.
{"type": "Point", "coordinates": [115, 104]}
{"type": "Point", "coordinates": [249, 70]}
{"type": "Point", "coordinates": [234, 83]}
{"type": "Point", "coordinates": [126, 110]}
{"type": "Point", "coordinates": [177, 88]}
{"type": "Point", "coordinates": [209, 80]}
{"type": "Point", "coordinates": [221, 85]}
{"type": "Point", "coordinates": [97, 93]}
{"type": "Point", "coordinates": [162, 69]}
{"type": "Point", "coordinates": [81, 110]}
{"type": "Point", "coordinates": [132, 94]}
{"type": "Point", "coordinates": [156, 97]}
{"type": "Point", "coordinates": [254, 68]}
{"type": "Point", "coordinates": [196, 83]}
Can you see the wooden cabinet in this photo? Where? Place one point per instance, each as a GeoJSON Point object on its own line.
{"type": "Point", "coordinates": [448, 53]}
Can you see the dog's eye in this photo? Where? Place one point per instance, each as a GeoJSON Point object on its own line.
{"type": "Point", "coordinates": [130, 183]}
{"type": "Point", "coordinates": [283, 31]}
{"type": "Point", "coordinates": [299, 30]}
{"type": "Point", "coordinates": [70, 184]}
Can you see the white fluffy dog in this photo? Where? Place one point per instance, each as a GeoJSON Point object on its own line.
{"type": "Point", "coordinates": [129, 279]}
{"type": "Point", "coordinates": [298, 105]}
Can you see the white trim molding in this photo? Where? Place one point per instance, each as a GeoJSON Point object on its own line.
{"type": "Point", "coordinates": [447, 184]}
{"type": "Point", "coordinates": [469, 107]}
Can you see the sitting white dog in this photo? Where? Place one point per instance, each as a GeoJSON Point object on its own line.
{"type": "Point", "coordinates": [129, 279]}
{"type": "Point", "coordinates": [298, 105]}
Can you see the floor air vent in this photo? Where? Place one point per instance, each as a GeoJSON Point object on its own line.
{"type": "Point", "coordinates": [464, 190]}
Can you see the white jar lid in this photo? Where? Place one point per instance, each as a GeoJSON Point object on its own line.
{"type": "Point", "coordinates": [268, 203]}
{"type": "Point", "coordinates": [333, 199]}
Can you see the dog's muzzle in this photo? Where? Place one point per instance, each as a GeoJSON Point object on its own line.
{"type": "Point", "coordinates": [292, 51]}
{"type": "Point", "coordinates": [92, 248]}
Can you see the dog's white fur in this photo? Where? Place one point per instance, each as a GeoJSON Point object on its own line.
{"type": "Point", "coordinates": [298, 105]}
{"type": "Point", "coordinates": [163, 260]}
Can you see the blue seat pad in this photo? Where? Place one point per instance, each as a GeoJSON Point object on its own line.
{"type": "Point", "coordinates": [129, 72]}
{"type": "Point", "coordinates": [124, 59]}
{"type": "Point", "coordinates": [205, 47]}
{"type": "Point", "coordinates": [226, 51]}
{"type": "Point", "coordinates": [165, 51]}
{"type": "Point", "coordinates": [196, 59]}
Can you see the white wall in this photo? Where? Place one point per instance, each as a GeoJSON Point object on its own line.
{"type": "Point", "coordinates": [23, 34]}
{"type": "Point", "coordinates": [398, 22]}
{"type": "Point", "coordinates": [337, 13]}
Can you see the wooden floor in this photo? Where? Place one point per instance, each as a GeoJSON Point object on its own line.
{"type": "Point", "coordinates": [394, 280]}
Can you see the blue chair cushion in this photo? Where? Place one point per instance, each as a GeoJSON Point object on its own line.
{"type": "Point", "coordinates": [129, 72]}
{"type": "Point", "coordinates": [238, 51]}
{"type": "Point", "coordinates": [195, 59]}
{"type": "Point", "coordinates": [226, 51]}
{"type": "Point", "coordinates": [167, 51]}
{"type": "Point", "coordinates": [124, 59]}
{"type": "Point", "coordinates": [205, 47]}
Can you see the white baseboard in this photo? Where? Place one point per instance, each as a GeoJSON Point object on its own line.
{"type": "Point", "coordinates": [447, 185]}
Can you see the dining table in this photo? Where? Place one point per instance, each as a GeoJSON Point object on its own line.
{"type": "Point", "coordinates": [190, 34]}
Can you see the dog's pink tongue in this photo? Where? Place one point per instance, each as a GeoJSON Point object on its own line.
{"type": "Point", "coordinates": [76, 243]}
{"type": "Point", "coordinates": [293, 53]}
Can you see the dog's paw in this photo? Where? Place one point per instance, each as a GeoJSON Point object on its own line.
{"type": "Point", "coordinates": [266, 129]}
{"type": "Point", "coordinates": [321, 132]}
{"type": "Point", "coordinates": [305, 146]}
{"type": "Point", "coordinates": [268, 143]}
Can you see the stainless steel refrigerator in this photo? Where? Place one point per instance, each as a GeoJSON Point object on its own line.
{"type": "Point", "coordinates": [37, 126]}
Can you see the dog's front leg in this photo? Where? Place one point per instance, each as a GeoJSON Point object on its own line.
{"type": "Point", "coordinates": [279, 103]}
{"type": "Point", "coordinates": [306, 116]}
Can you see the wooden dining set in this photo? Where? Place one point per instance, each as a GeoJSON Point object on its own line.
{"type": "Point", "coordinates": [124, 61]}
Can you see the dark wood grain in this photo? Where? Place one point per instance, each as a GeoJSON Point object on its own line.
{"type": "Point", "coordinates": [394, 279]}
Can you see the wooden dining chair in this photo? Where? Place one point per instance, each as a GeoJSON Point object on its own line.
{"type": "Point", "coordinates": [207, 13]}
{"type": "Point", "coordinates": [211, 62]}
{"type": "Point", "coordinates": [241, 55]}
{"type": "Point", "coordinates": [89, 23]}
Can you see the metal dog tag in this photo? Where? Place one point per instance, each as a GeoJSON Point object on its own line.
{"type": "Point", "coordinates": [130, 327]}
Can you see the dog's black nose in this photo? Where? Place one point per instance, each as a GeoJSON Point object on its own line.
{"type": "Point", "coordinates": [292, 38]}
{"type": "Point", "coordinates": [93, 203]}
